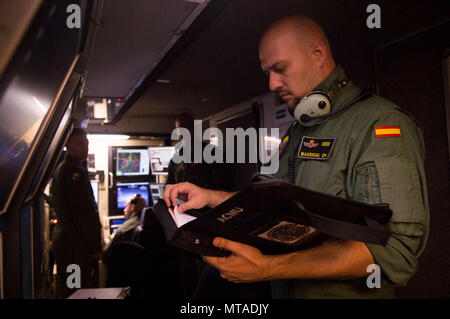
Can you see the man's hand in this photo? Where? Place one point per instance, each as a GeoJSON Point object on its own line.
{"type": "Point", "coordinates": [195, 197]}
{"type": "Point", "coordinates": [245, 264]}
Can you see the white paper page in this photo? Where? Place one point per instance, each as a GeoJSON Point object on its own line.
{"type": "Point", "coordinates": [180, 218]}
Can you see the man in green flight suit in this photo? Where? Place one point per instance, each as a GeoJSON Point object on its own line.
{"type": "Point", "coordinates": [77, 237]}
{"type": "Point", "coordinates": [366, 149]}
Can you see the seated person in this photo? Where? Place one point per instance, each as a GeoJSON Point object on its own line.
{"type": "Point", "coordinates": [126, 231]}
{"type": "Point", "coordinates": [144, 261]}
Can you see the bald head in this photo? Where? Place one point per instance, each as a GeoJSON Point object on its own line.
{"type": "Point", "coordinates": [296, 54]}
{"type": "Point", "coordinates": [299, 28]}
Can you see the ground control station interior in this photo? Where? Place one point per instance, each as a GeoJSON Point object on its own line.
{"type": "Point", "coordinates": [123, 71]}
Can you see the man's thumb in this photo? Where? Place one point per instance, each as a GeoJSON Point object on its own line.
{"type": "Point", "coordinates": [184, 207]}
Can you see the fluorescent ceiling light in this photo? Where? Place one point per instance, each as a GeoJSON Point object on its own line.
{"type": "Point", "coordinates": [107, 137]}
{"type": "Point", "coordinates": [42, 107]}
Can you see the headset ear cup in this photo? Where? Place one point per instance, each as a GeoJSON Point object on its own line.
{"type": "Point", "coordinates": [312, 105]}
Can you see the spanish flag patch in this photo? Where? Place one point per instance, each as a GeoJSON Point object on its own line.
{"type": "Point", "coordinates": [387, 131]}
{"type": "Point", "coordinates": [282, 146]}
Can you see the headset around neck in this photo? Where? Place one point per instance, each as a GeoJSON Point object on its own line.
{"type": "Point", "coordinates": [317, 105]}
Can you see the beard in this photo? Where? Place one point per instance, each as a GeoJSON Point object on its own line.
{"type": "Point", "coordinates": [291, 104]}
{"type": "Point", "coordinates": [291, 109]}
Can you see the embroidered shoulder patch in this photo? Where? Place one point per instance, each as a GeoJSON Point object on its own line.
{"type": "Point", "coordinates": [387, 131]}
{"type": "Point", "coordinates": [283, 145]}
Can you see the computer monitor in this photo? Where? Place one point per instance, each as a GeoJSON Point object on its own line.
{"type": "Point", "coordinates": [160, 158]}
{"type": "Point", "coordinates": [157, 191]}
{"type": "Point", "coordinates": [94, 185]}
{"type": "Point", "coordinates": [132, 162]}
{"type": "Point", "coordinates": [125, 191]}
{"type": "Point", "coordinates": [114, 223]}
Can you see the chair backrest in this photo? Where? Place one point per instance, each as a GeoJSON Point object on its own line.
{"type": "Point", "coordinates": [146, 216]}
{"type": "Point", "coordinates": [150, 233]}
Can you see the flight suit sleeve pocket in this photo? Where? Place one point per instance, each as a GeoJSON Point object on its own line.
{"type": "Point", "coordinates": [367, 187]}
{"type": "Point", "coordinates": [400, 187]}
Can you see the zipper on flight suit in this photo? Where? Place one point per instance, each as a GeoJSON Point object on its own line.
{"type": "Point", "coordinates": [291, 170]}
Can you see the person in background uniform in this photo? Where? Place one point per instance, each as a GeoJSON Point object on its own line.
{"type": "Point", "coordinates": [126, 231]}
{"type": "Point", "coordinates": [77, 237]}
{"type": "Point", "coordinates": [373, 151]}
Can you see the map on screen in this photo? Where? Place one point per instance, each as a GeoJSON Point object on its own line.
{"type": "Point", "coordinates": [129, 162]}
{"type": "Point", "coordinates": [132, 162]}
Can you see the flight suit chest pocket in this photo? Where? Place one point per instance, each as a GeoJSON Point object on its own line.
{"type": "Point", "coordinates": [367, 186]}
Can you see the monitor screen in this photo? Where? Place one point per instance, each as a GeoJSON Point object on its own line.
{"type": "Point", "coordinates": [157, 191]}
{"type": "Point", "coordinates": [115, 223]}
{"type": "Point", "coordinates": [160, 158]}
{"type": "Point", "coordinates": [94, 185]}
{"type": "Point", "coordinates": [132, 162]}
{"type": "Point", "coordinates": [125, 191]}
{"type": "Point", "coordinates": [29, 86]}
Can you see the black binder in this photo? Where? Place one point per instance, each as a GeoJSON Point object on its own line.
{"type": "Point", "coordinates": [278, 217]}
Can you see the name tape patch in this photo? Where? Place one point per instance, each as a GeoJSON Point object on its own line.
{"type": "Point", "coordinates": [316, 148]}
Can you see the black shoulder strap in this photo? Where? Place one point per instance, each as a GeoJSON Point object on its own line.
{"type": "Point", "coordinates": [373, 233]}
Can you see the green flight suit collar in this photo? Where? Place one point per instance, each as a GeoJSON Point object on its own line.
{"type": "Point", "coordinates": [344, 95]}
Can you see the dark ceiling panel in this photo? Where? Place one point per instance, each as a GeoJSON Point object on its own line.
{"type": "Point", "coordinates": [221, 67]}
{"type": "Point", "coordinates": [129, 42]}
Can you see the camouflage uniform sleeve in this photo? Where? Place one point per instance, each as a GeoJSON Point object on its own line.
{"type": "Point", "coordinates": [391, 170]}
{"type": "Point", "coordinates": [84, 216]}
